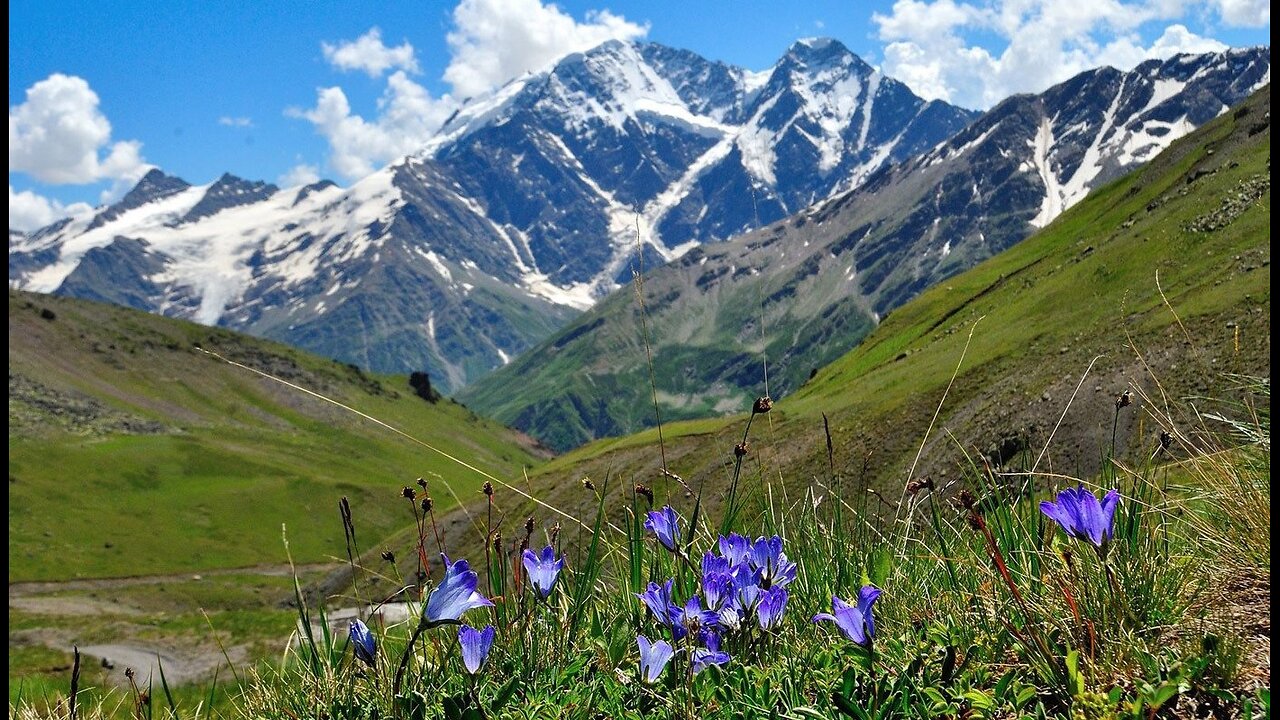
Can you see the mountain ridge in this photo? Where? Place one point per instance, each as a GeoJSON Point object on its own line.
{"type": "Point", "coordinates": [818, 281]}
{"type": "Point", "coordinates": [521, 213]}
{"type": "Point", "coordinates": [1157, 284]}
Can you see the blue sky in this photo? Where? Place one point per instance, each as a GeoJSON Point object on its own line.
{"type": "Point", "coordinates": [290, 91]}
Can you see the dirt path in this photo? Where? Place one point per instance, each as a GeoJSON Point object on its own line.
{"type": "Point", "coordinates": [42, 587]}
{"type": "Point", "coordinates": [146, 662]}
{"type": "Point", "coordinates": [183, 659]}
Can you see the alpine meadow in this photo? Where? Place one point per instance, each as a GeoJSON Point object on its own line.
{"type": "Point", "coordinates": [612, 380]}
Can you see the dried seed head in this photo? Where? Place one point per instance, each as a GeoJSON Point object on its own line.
{"type": "Point", "coordinates": [488, 489]}
{"type": "Point", "coordinates": [740, 450]}
{"type": "Point", "coordinates": [1125, 399]}
{"type": "Point", "coordinates": [586, 483]}
{"type": "Point", "coordinates": [967, 500]}
{"type": "Point", "coordinates": [762, 405]}
{"type": "Point", "coordinates": [128, 672]}
{"type": "Point", "coordinates": [1166, 439]}
{"type": "Point", "coordinates": [497, 541]}
{"type": "Point", "coordinates": [409, 492]}
{"type": "Point", "coordinates": [924, 483]}
{"type": "Point", "coordinates": [426, 504]}
{"type": "Point", "coordinates": [422, 483]}
{"type": "Point", "coordinates": [389, 556]}
{"type": "Point", "coordinates": [645, 491]}
{"type": "Point", "coordinates": [555, 533]}
{"type": "Point", "coordinates": [975, 520]}
{"type": "Point", "coordinates": [528, 525]}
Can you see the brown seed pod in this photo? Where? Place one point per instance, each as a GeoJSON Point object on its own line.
{"type": "Point", "coordinates": [924, 483]}
{"type": "Point", "coordinates": [762, 405]}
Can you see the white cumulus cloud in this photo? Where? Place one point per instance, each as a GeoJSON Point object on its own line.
{"type": "Point", "coordinates": [496, 40]}
{"type": "Point", "coordinates": [368, 54]}
{"type": "Point", "coordinates": [60, 136]}
{"type": "Point", "coordinates": [407, 116]}
{"type": "Point", "coordinates": [1245, 13]}
{"type": "Point", "coordinates": [940, 47]}
{"type": "Point", "coordinates": [30, 211]}
{"type": "Point", "coordinates": [492, 41]}
{"type": "Point", "coordinates": [300, 174]}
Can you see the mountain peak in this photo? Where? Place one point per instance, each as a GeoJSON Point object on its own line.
{"type": "Point", "coordinates": [153, 186]}
{"type": "Point", "coordinates": [818, 49]}
{"type": "Point", "coordinates": [229, 191]}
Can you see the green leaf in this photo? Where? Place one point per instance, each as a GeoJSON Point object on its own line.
{"type": "Point", "coordinates": [879, 567]}
{"type": "Point", "coordinates": [505, 694]}
{"type": "Point", "coordinates": [1024, 696]}
{"type": "Point", "coordinates": [844, 705]}
{"type": "Point", "coordinates": [948, 664]}
{"type": "Point", "coordinates": [979, 700]}
{"type": "Point", "coordinates": [1074, 678]}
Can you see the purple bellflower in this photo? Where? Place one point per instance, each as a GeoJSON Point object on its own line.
{"type": "Point", "coordinates": [475, 646]}
{"type": "Point", "coordinates": [362, 642]}
{"type": "Point", "coordinates": [665, 523]}
{"type": "Point", "coordinates": [1080, 515]}
{"type": "Point", "coordinates": [653, 658]}
{"type": "Point", "coordinates": [768, 558]}
{"type": "Point", "coordinates": [455, 595]}
{"type": "Point", "coordinates": [713, 564]}
{"type": "Point", "coordinates": [773, 602]}
{"type": "Point", "coordinates": [710, 653]}
{"type": "Point", "coordinates": [543, 569]}
{"type": "Point", "coordinates": [658, 599]}
{"type": "Point", "coordinates": [735, 548]}
{"type": "Point", "coordinates": [717, 587]}
{"type": "Point", "coordinates": [746, 586]}
{"type": "Point", "coordinates": [855, 621]}
{"type": "Point", "coordinates": [691, 618]}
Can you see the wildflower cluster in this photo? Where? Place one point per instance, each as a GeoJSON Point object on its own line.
{"type": "Point", "coordinates": [741, 591]}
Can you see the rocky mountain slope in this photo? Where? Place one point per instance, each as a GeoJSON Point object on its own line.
{"type": "Point", "coordinates": [1157, 283]}
{"type": "Point", "coordinates": [529, 205]}
{"type": "Point", "coordinates": [802, 292]}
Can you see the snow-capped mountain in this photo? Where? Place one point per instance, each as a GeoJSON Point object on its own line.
{"type": "Point", "coordinates": [805, 290]}
{"type": "Point", "coordinates": [529, 205]}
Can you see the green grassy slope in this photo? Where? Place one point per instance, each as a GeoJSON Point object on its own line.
{"type": "Point", "coordinates": [1081, 299]}
{"type": "Point", "coordinates": [130, 452]}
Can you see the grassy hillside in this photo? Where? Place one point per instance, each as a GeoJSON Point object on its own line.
{"type": "Point", "coordinates": [1078, 304]}
{"type": "Point", "coordinates": [131, 452]}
